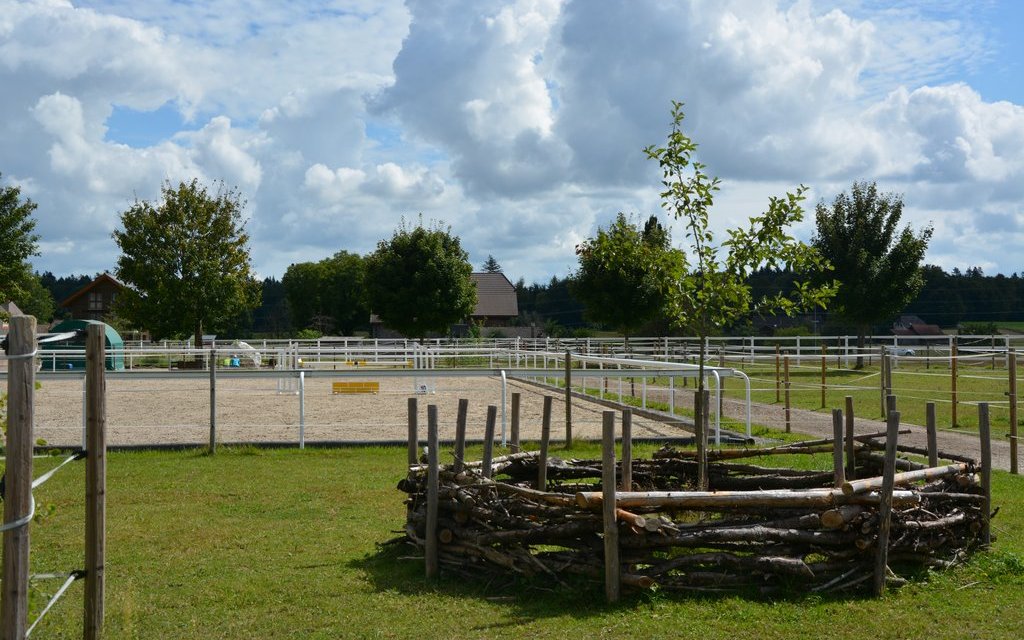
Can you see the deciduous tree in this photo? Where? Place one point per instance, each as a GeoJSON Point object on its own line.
{"type": "Point", "coordinates": [877, 264]}
{"type": "Point", "coordinates": [185, 261]}
{"type": "Point", "coordinates": [623, 273]}
{"type": "Point", "coordinates": [419, 281]}
{"type": "Point", "coordinates": [18, 242]}
{"type": "Point", "coordinates": [711, 291]}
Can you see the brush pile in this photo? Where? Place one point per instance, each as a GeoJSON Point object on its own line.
{"type": "Point", "coordinates": [757, 528]}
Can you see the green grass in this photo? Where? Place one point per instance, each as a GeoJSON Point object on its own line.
{"type": "Point", "coordinates": [257, 543]}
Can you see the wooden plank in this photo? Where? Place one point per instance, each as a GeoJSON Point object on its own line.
{"type": "Point", "coordinates": [355, 386]}
{"type": "Point", "coordinates": [612, 585]}
{"type": "Point", "coordinates": [18, 478]}
{"type": "Point", "coordinates": [1011, 365]}
{"type": "Point", "coordinates": [839, 471]}
{"type": "Point", "coordinates": [851, 454]}
{"type": "Point", "coordinates": [213, 400]}
{"type": "Point", "coordinates": [932, 435]}
{"type": "Point", "coordinates": [568, 400]}
{"type": "Point", "coordinates": [96, 481]}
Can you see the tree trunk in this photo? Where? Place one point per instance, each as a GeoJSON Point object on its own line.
{"type": "Point", "coordinates": [198, 338]}
{"type": "Point", "coordinates": [861, 332]}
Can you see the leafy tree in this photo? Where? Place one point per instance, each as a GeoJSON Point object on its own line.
{"type": "Point", "coordinates": [17, 243]}
{"type": "Point", "coordinates": [623, 274]}
{"type": "Point", "coordinates": [185, 261]}
{"type": "Point", "coordinates": [419, 281]}
{"type": "Point", "coordinates": [712, 291]}
{"type": "Point", "coordinates": [328, 294]}
{"type": "Point", "coordinates": [491, 265]}
{"type": "Point", "coordinates": [877, 265]}
{"type": "Point", "coordinates": [36, 301]}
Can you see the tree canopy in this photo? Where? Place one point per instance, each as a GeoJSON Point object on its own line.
{"type": "Point", "coordinates": [624, 272]}
{"type": "Point", "coordinates": [328, 294]}
{"type": "Point", "coordinates": [712, 291]}
{"type": "Point", "coordinates": [18, 242]}
{"type": "Point", "coordinates": [878, 265]}
{"type": "Point", "coordinates": [419, 282]}
{"type": "Point", "coordinates": [491, 265]}
{"type": "Point", "coordinates": [185, 261]}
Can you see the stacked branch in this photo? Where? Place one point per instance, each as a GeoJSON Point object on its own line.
{"type": "Point", "coordinates": [757, 528]}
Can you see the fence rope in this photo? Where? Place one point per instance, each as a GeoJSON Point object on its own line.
{"type": "Point", "coordinates": [71, 577]}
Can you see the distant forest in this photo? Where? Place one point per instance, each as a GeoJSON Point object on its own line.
{"type": "Point", "coordinates": [947, 299]}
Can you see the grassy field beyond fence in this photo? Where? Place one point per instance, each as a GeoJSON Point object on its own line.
{"type": "Point", "coordinates": [283, 544]}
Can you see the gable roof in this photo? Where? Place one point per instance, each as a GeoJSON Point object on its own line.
{"type": "Point", "coordinates": [495, 296]}
{"type": "Point", "coordinates": [103, 277]}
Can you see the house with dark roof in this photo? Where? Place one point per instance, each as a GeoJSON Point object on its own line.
{"type": "Point", "coordinates": [95, 300]}
{"type": "Point", "coordinates": [497, 305]}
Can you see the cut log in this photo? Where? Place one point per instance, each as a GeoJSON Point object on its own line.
{"type": "Point", "coordinates": [907, 477]}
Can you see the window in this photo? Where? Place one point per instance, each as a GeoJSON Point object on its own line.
{"type": "Point", "coordinates": [95, 301]}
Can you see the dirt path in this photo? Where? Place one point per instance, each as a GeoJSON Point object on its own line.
{"type": "Point", "coordinates": [820, 424]}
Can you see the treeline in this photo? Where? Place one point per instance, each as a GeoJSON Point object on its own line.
{"type": "Point", "coordinates": [947, 299]}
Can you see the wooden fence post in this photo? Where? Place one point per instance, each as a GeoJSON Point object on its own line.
{"type": "Point", "coordinates": [413, 436]}
{"type": "Point", "coordinates": [514, 440]}
{"type": "Point", "coordinates": [96, 481]}
{"type": "Point", "coordinates": [930, 429]}
{"type": "Point", "coordinates": [612, 579]}
{"type": "Point", "coordinates": [851, 454]}
{"type": "Point", "coordinates": [882, 361]}
{"type": "Point", "coordinates": [824, 355]}
{"type": "Point", "coordinates": [986, 473]}
{"type": "Point", "coordinates": [460, 435]}
{"type": "Point", "coordinates": [21, 378]}
{"type": "Point", "coordinates": [786, 383]}
{"type": "Point", "coordinates": [492, 416]}
{"type": "Point", "coordinates": [778, 376]}
{"type": "Point", "coordinates": [568, 400]}
{"type": "Point", "coordinates": [213, 401]}
{"type": "Point", "coordinates": [545, 437]}
{"type": "Point", "coordinates": [431, 559]}
{"type": "Point", "coordinates": [885, 504]}
{"type": "Point", "coordinates": [627, 450]}
{"type": "Point", "coordinates": [953, 364]}
{"type": "Point", "coordinates": [839, 471]}
{"type": "Point", "coordinates": [1011, 364]}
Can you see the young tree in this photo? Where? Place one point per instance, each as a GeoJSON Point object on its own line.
{"type": "Point", "coordinates": [711, 291]}
{"type": "Point", "coordinates": [877, 265]}
{"type": "Point", "coordinates": [186, 262]}
{"type": "Point", "coordinates": [17, 243]}
{"type": "Point", "coordinates": [623, 273]}
{"type": "Point", "coordinates": [419, 281]}
{"type": "Point", "coordinates": [491, 265]}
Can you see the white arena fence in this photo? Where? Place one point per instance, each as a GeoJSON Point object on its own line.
{"type": "Point", "coordinates": [169, 397]}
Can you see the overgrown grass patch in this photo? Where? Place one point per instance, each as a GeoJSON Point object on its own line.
{"type": "Point", "coordinates": [278, 543]}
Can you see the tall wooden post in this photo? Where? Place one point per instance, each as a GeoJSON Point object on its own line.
{"type": "Point", "coordinates": [986, 473]}
{"type": "Point", "coordinates": [413, 412]}
{"type": "Point", "coordinates": [1011, 364]}
{"type": "Point", "coordinates": [568, 400]}
{"type": "Point", "coordinates": [839, 471]}
{"type": "Point", "coordinates": [885, 504]}
{"type": "Point", "coordinates": [21, 379]}
{"type": "Point", "coordinates": [612, 584]}
{"type": "Point", "coordinates": [96, 481]}
{"type": "Point", "coordinates": [851, 454]}
{"type": "Point", "coordinates": [492, 416]}
{"type": "Point", "coordinates": [930, 430]}
{"type": "Point", "coordinates": [514, 440]}
{"type": "Point", "coordinates": [460, 435]}
{"type": "Point", "coordinates": [627, 450]}
{"type": "Point", "coordinates": [213, 401]}
{"type": "Point", "coordinates": [545, 437]}
{"type": "Point", "coordinates": [953, 363]}
{"type": "Point", "coordinates": [824, 355]}
{"type": "Point", "coordinates": [882, 362]}
{"type": "Point", "coordinates": [778, 377]}
{"type": "Point", "coordinates": [431, 560]}
{"type": "Point", "coordinates": [785, 368]}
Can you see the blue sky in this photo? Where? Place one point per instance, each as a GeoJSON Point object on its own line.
{"type": "Point", "coordinates": [518, 123]}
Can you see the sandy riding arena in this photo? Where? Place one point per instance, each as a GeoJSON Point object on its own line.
{"type": "Point", "coordinates": [176, 410]}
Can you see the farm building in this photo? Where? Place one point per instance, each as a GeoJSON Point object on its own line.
{"type": "Point", "coordinates": [95, 300]}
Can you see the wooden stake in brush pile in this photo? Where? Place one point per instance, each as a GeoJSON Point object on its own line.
{"type": "Point", "coordinates": [760, 528]}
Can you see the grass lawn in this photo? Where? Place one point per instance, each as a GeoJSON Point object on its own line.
{"type": "Point", "coordinates": [283, 544]}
